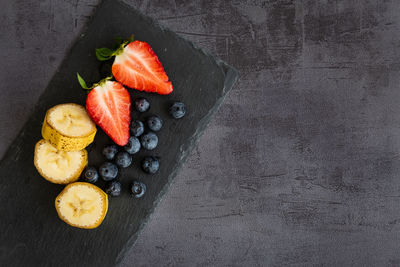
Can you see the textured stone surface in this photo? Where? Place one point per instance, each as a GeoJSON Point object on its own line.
{"type": "Point", "coordinates": [31, 224]}
{"type": "Point", "coordinates": [301, 164]}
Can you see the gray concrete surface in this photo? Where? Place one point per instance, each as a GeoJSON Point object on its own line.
{"type": "Point", "coordinates": [301, 164]}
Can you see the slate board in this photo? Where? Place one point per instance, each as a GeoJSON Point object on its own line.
{"type": "Point", "coordinates": [31, 233]}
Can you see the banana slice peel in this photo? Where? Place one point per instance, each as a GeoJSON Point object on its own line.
{"type": "Point", "coordinates": [68, 127]}
{"type": "Point", "coordinates": [57, 166]}
{"type": "Point", "coordinates": [82, 205]}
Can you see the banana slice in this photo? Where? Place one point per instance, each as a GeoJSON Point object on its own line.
{"type": "Point", "coordinates": [82, 205]}
{"type": "Point", "coordinates": [57, 166]}
{"type": "Point", "coordinates": [68, 127]}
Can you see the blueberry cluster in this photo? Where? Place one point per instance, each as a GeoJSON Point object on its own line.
{"type": "Point", "coordinates": [117, 158]}
{"type": "Point", "coordinates": [121, 157]}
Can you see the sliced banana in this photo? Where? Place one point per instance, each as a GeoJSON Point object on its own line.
{"type": "Point", "coordinates": [57, 166]}
{"type": "Point", "coordinates": [68, 127]}
{"type": "Point", "coordinates": [82, 205]}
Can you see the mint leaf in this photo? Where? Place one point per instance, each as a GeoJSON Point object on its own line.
{"type": "Point", "coordinates": [104, 53]}
{"type": "Point", "coordinates": [82, 82]}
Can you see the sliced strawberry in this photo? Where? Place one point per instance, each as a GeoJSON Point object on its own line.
{"type": "Point", "coordinates": [138, 67]}
{"type": "Point", "coordinates": [109, 105]}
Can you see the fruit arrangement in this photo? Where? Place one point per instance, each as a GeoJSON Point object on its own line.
{"type": "Point", "coordinates": [61, 156]}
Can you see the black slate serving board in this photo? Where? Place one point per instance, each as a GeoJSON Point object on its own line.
{"type": "Point", "coordinates": [31, 233]}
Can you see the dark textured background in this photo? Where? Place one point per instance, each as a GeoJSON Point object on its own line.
{"type": "Point", "coordinates": [301, 164]}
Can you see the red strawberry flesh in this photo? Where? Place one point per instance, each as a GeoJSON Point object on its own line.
{"type": "Point", "coordinates": [109, 105]}
{"type": "Point", "coordinates": [138, 67]}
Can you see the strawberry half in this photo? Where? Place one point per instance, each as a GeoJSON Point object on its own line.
{"type": "Point", "coordinates": [137, 66]}
{"type": "Point", "coordinates": [109, 106]}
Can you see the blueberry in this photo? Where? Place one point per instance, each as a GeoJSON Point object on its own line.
{"type": "Point", "coordinates": [110, 151]}
{"type": "Point", "coordinates": [155, 123]}
{"type": "Point", "coordinates": [149, 141]}
{"type": "Point", "coordinates": [137, 128]}
{"type": "Point", "coordinates": [123, 159]}
{"type": "Point", "coordinates": [133, 145]}
{"type": "Point", "coordinates": [177, 110]}
{"type": "Point", "coordinates": [90, 174]}
{"type": "Point", "coordinates": [150, 165]}
{"type": "Point", "coordinates": [113, 188]}
{"type": "Point", "coordinates": [108, 171]}
{"type": "Point", "coordinates": [138, 189]}
{"type": "Point", "coordinates": [141, 104]}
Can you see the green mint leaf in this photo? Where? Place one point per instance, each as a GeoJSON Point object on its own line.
{"type": "Point", "coordinates": [104, 53]}
{"type": "Point", "coordinates": [82, 82]}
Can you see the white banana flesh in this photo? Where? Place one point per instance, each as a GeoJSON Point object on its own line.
{"type": "Point", "coordinates": [82, 205]}
{"type": "Point", "coordinates": [71, 120]}
{"type": "Point", "coordinates": [59, 166]}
